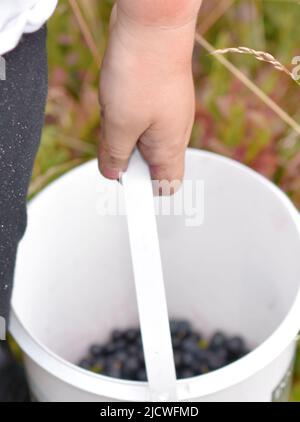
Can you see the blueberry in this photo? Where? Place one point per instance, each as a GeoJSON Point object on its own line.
{"type": "Point", "coordinates": [184, 328]}
{"type": "Point", "coordinates": [132, 334]}
{"type": "Point", "coordinates": [217, 341]}
{"type": "Point", "coordinates": [120, 356]}
{"type": "Point", "coordinates": [120, 344]}
{"type": "Point", "coordinates": [187, 359]}
{"type": "Point", "coordinates": [110, 365]}
{"type": "Point", "coordinates": [100, 360]}
{"type": "Point", "coordinates": [222, 354]}
{"type": "Point", "coordinates": [177, 359]}
{"type": "Point", "coordinates": [218, 359]}
{"type": "Point", "coordinates": [196, 337]}
{"type": "Point", "coordinates": [131, 367]}
{"type": "Point", "coordinates": [180, 328]}
{"type": "Point", "coordinates": [114, 372]}
{"type": "Point", "coordinates": [85, 364]}
{"type": "Point", "coordinates": [184, 325]}
{"type": "Point", "coordinates": [176, 341]}
{"type": "Point", "coordinates": [201, 369]}
{"type": "Point", "coordinates": [109, 349]}
{"type": "Point", "coordinates": [96, 350]}
{"type": "Point", "coordinates": [142, 375]}
{"type": "Point", "coordinates": [173, 326]}
{"type": "Point", "coordinates": [245, 352]}
{"type": "Point", "coordinates": [133, 350]}
{"type": "Point", "coordinates": [185, 373]}
{"type": "Point", "coordinates": [235, 347]}
{"type": "Point", "coordinates": [123, 356]}
{"type": "Point", "coordinates": [141, 356]}
{"type": "Point", "coordinates": [190, 345]}
{"type": "Point", "coordinates": [139, 341]}
{"type": "Point", "coordinates": [214, 361]}
{"type": "Point", "coordinates": [117, 335]}
{"type": "Point", "coordinates": [202, 355]}
{"type": "Point", "coordinates": [132, 364]}
{"type": "Point", "coordinates": [199, 366]}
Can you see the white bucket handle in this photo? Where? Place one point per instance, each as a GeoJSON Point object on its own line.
{"type": "Point", "coordinates": [149, 283]}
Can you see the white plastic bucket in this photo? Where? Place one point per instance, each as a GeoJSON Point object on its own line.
{"type": "Point", "coordinates": [238, 271]}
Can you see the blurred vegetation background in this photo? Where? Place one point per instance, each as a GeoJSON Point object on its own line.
{"type": "Point", "coordinates": [251, 118]}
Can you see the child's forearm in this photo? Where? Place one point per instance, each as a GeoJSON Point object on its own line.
{"type": "Point", "coordinates": [162, 13]}
{"type": "Point", "coordinates": [162, 27]}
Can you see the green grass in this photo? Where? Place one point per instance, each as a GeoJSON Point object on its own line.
{"type": "Point", "coordinates": [296, 387]}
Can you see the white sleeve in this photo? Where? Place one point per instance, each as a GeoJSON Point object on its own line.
{"type": "Point", "coordinates": [22, 16]}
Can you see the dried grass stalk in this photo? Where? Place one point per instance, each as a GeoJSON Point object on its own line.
{"type": "Point", "coordinates": [259, 55]}
{"type": "Point", "coordinates": [249, 84]}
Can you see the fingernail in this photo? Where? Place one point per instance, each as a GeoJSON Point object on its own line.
{"type": "Point", "coordinates": [111, 173]}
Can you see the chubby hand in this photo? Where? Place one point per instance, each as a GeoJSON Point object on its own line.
{"type": "Point", "coordinates": [147, 94]}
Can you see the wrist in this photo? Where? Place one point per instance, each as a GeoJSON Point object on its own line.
{"type": "Point", "coordinates": [171, 42]}
{"type": "Point", "coordinates": [160, 13]}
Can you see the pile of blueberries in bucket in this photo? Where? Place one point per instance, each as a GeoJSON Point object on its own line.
{"type": "Point", "coordinates": [123, 357]}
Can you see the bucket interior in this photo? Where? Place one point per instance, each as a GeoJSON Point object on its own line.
{"type": "Point", "coordinates": [238, 271]}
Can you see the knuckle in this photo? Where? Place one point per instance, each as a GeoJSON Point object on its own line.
{"type": "Point", "coordinates": [113, 152]}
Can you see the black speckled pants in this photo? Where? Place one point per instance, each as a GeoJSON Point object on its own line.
{"type": "Point", "coordinates": [22, 102]}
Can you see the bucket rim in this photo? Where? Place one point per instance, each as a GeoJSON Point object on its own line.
{"type": "Point", "coordinates": [190, 388]}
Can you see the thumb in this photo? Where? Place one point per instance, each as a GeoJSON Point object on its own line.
{"type": "Point", "coordinates": [115, 148]}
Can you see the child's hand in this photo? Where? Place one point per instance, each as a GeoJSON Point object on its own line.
{"type": "Point", "coordinates": [147, 92]}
